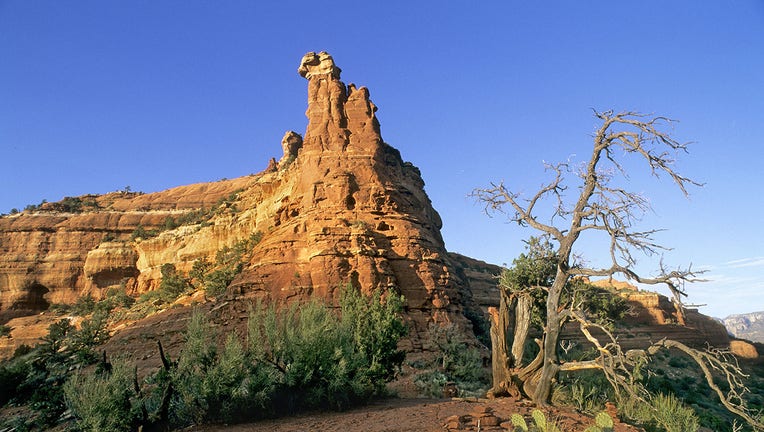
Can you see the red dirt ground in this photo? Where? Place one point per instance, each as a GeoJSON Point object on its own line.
{"type": "Point", "coordinates": [414, 415]}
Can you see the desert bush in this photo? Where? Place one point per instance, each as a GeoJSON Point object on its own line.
{"type": "Point", "coordinates": [322, 360]}
{"type": "Point", "coordinates": [298, 357]}
{"type": "Point", "coordinates": [92, 332]}
{"type": "Point", "coordinates": [661, 413]}
{"type": "Point", "coordinates": [217, 386]}
{"type": "Point", "coordinates": [5, 330]}
{"type": "Point", "coordinates": [376, 327]}
{"type": "Point", "coordinates": [117, 297]}
{"type": "Point", "coordinates": [586, 391]}
{"type": "Point", "coordinates": [35, 376]}
{"type": "Point", "coordinates": [671, 415]}
{"type": "Point", "coordinates": [198, 356]}
{"type": "Point", "coordinates": [216, 282]}
{"type": "Point", "coordinates": [142, 233]}
{"type": "Point", "coordinates": [295, 358]}
{"type": "Point", "coordinates": [84, 305]}
{"type": "Point", "coordinates": [12, 375]}
{"type": "Point", "coordinates": [455, 361]}
{"type": "Point", "coordinates": [102, 402]}
{"type": "Point", "coordinates": [173, 283]}
{"type": "Point", "coordinates": [198, 272]}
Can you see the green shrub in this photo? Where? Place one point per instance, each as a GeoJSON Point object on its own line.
{"type": "Point", "coordinates": [85, 305]}
{"type": "Point", "coordinates": [102, 402]}
{"type": "Point", "coordinates": [5, 330]}
{"type": "Point", "coordinates": [672, 415]}
{"type": "Point", "coordinates": [36, 377]}
{"type": "Point", "coordinates": [300, 357]}
{"type": "Point", "coordinates": [198, 356]}
{"type": "Point", "coordinates": [376, 328]}
{"type": "Point", "coordinates": [321, 360]}
{"type": "Point", "coordinates": [12, 375]}
{"type": "Point", "coordinates": [117, 297]}
{"type": "Point", "coordinates": [216, 282]}
{"type": "Point", "coordinates": [586, 391]}
{"type": "Point", "coordinates": [21, 350]}
{"type": "Point", "coordinates": [173, 283]}
{"type": "Point", "coordinates": [212, 386]}
{"type": "Point", "coordinates": [92, 332]}
{"type": "Point", "coordinates": [142, 233]}
{"type": "Point", "coordinates": [661, 413]}
{"type": "Point", "coordinates": [455, 361]}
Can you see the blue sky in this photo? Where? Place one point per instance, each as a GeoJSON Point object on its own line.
{"type": "Point", "coordinates": [96, 96]}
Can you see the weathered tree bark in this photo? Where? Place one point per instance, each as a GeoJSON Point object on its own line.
{"type": "Point", "coordinates": [511, 322]}
{"type": "Point", "coordinates": [522, 326]}
{"type": "Point", "coordinates": [500, 361]}
{"type": "Point", "coordinates": [550, 365]}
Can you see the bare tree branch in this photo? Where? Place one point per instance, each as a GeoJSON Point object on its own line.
{"type": "Point", "coordinates": [721, 362]}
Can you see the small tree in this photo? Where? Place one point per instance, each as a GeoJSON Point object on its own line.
{"type": "Point", "coordinates": [601, 206]}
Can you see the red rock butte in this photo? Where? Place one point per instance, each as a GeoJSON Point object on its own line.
{"type": "Point", "coordinates": [339, 207]}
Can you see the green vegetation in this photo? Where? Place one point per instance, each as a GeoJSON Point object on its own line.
{"type": "Point", "coordinates": [4, 330]}
{"type": "Point", "coordinates": [35, 377]}
{"type": "Point", "coordinates": [454, 362]}
{"type": "Point", "coordinates": [295, 358]}
{"type": "Point", "coordinates": [215, 277]}
{"type": "Point", "coordinates": [142, 233]}
{"type": "Point", "coordinates": [66, 205]}
{"type": "Point", "coordinates": [540, 422]}
{"type": "Point", "coordinates": [194, 217]}
{"type": "Point", "coordinates": [102, 401]}
{"type": "Point", "coordinates": [680, 399]}
{"type": "Point", "coordinates": [533, 272]}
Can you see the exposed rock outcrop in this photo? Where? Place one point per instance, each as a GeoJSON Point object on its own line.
{"type": "Point", "coordinates": [49, 256]}
{"type": "Point", "coordinates": [347, 209]}
{"type": "Point", "coordinates": [746, 326]}
{"type": "Point", "coordinates": [339, 207]}
{"type": "Point", "coordinates": [652, 317]}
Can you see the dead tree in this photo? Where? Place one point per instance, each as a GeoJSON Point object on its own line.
{"type": "Point", "coordinates": [600, 206]}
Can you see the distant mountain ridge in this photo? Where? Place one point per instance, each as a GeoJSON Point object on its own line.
{"type": "Point", "coordinates": [746, 326]}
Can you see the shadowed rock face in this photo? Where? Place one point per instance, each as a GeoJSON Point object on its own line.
{"type": "Point", "coordinates": [339, 207]}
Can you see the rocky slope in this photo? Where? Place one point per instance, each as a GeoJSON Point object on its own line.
{"type": "Point", "coordinates": [746, 326]}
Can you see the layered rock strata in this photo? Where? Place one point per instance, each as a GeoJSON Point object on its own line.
{"type": "Point", "coordinates": [339, 207]}
{"type": "Point", "coordinates": [348, 210]}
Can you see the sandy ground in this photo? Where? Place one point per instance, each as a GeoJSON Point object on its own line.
{"type": "Point", "coordinates": [403, 415]}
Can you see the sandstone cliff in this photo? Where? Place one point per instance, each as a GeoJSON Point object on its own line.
{"type": "Point", "coordinates": [340, 207]}
{"type": "Point", "coordinates": [652, 317]}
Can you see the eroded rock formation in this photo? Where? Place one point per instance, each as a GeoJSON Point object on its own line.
{"type": "Point", "coordinates": [339, 207]}
{"type": "Point", "coordinates": [347, 209]}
